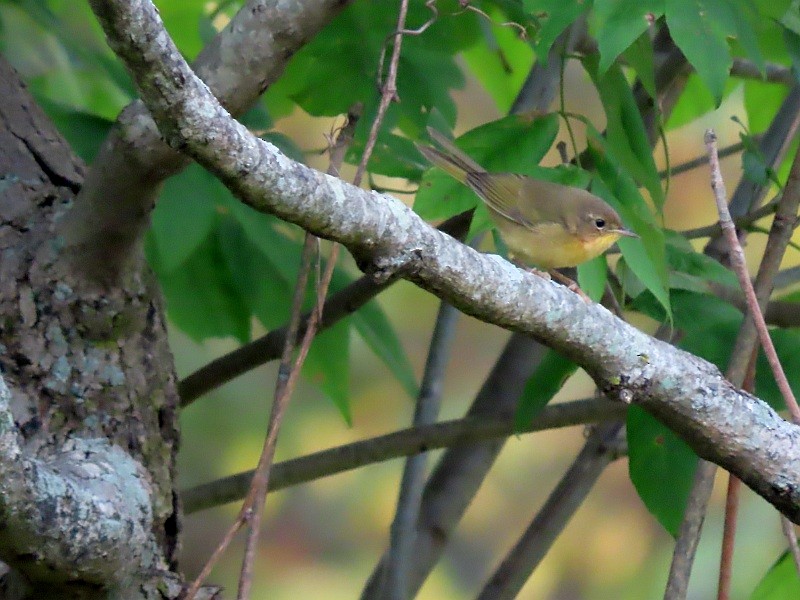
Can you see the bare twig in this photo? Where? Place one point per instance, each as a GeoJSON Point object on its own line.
{"type": "Point", "coordinates": [463, 432]}
{"type": "Point", "coordinates": [755, 311]}
{"type": "Point", "coordinates": [732, 505]}
{"type": "Point", "coordinates": [404, 525]}
{"type": "Point", "coordinates": [288, 371]}
{"type": "Point", "coordinates": [773, 145]}
{"type": "Point", "coordinates": [728, 537]}
{"type": "Point", "coordinates": [689, 533]}
{"type": "Point", "coordinates": [742, 222]}
{"type": "Point", "coordinates": [773, 73]}
{"type": "Point", "coordinates": [388, 90]}
{"type": "Point", "coordinates": [788, 530]}
{"type": "Point", "coordinates": [700, 161]}
{"type": "Point", "coordinates": [253, 503]}
{"type": "Point", "coordinates": [740, 267]}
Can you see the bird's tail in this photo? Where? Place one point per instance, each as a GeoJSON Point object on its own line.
{"type": "Point", "coordinates": [449, 159]}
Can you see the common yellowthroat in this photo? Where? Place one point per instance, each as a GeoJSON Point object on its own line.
{"type": "Point", "coordinates": [544, 224]}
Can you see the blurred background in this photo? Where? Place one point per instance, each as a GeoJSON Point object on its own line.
{"type": "Point", "coordinates": [322, 540]}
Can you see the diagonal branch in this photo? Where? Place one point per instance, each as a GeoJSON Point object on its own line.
{"type": "Point", "coordinates": [112, 210]}
{"type": "Point", "coordinates": [721, 423]}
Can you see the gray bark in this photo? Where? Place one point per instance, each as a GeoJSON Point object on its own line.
{"type": "Point", "coordinates": [89, 420]}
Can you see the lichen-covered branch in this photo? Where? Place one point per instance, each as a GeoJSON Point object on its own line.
{"type": "Point", "coordinates": [83, 515]}
{"type": "Point", "coordinates": [722, 424]}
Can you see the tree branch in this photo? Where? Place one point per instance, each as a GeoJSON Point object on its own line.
{"type": "Point", "coordinates": [84, 515]}
{"type": "Point", "coordinates": [405, 442]}
{"type": "Point", "coordinates": [112, 210]}
{"type": "Point", "coordinates": [722, 424]}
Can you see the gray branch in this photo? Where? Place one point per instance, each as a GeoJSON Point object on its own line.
{"type": "Point", "coordinates": [113, 207]}
{"type": "Point", "coordinates": [721, 423]}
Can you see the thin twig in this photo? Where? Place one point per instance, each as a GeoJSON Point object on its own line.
{"type": "Point", "coordinates": [388, 91]}
{"type": "Point", "coordinates": [279, 408]}
{"type": "Point", "coordinates": [251, 505]}
{"type": "Point", "coordinates": [728, 537]}
{"type": "Point", "coordinates": [288, 371]}
{"type": "Point", "coordinates": [701, 160]}
{"type": "Point", "coordinates": [463, 432]}
{"type": "Point", "coordinates": [732, 505]}
{"type": "Point", "coordinates": [773, 73]}
{"type": "Point", "coordinates": [689, 534]}
{"type": "Point", "coordinates": [742, 222]}
{"type": "Point", "coordinates": [773, 144]}
{"type": "Point", "coordinates": [426, 411]}
{"type": "Point", "coordinates": [791, 535]}
{"type": "Point", "coordinates": [740, 267]}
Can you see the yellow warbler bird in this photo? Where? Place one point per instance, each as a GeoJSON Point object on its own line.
{"type": "Point", "coordinates": [544, 224]}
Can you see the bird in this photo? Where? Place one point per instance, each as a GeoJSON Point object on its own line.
{"type": "Point", "coordinates": [545, 225]}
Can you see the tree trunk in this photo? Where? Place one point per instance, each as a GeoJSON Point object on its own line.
{"type": "Point", "coordinates": [87, 501]}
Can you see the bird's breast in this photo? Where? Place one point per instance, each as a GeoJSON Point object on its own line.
{"type": "Point", "coordinates": [551, 246]}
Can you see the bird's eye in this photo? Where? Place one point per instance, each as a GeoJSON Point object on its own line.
{"type": "Point", "coordinates": [600, 223]}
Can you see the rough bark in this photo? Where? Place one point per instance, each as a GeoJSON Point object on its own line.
{"type": "Point", "coordinates": [92, 417]}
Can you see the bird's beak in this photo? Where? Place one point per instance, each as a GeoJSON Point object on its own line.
{"type": "Point", "coordinates": [622, 231]}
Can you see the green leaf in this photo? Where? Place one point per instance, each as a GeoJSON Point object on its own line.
{"type": "Point", "coordinates": [702, 40]}
{"type": "Point", "coordinates": [626, 135]}
{"type": "Point", "coordinates": [661, 467]}
{"type": "Point", "coordinates": [761, 102]}
{"type": "Point", "coordinates": [512, 144]}
{"type": "Point", "coordinates": [262, 281]}
{"type": "Point", "coordinates": [374, 327]}
{"type": "Point", "coordinates": [185, 214]}
{"type": "Point", "coordinates": [593, 276]}
{"type": "Point", "coordinates": [780, 582]}
{"type": "Point", "coordinates": [646, 256]}
{"type": "Point", "coordinates": [549, 377]}
{"type": "Point", "coordinates": [692, 270]}
{"type": "Point", "coordinates": [328, 366]}
{"type": "Point", "coordinates": [695, 101]}
{"type": "Point", "coordinates": [791, 18]}
{"type": "Point", "coordinates": [393, 156]}
{"type": "Point", "coordinates": [202, 298]}
{"type": "Point", "coordinates": [182, 20]}
{"type": "Point", "coordinates": [500, 62]}
{"type": "Point", "coordinates": [619, 23]}
{"type": "Point", "coordinates": [554, 16]}
{"type": "Point", "coordinates": [792, 42]}
{"type": "Point", "coordinates": [282, 255]}
{"type": "Point", "coordinates": [259, 282]}
{"type": "Point", "coordinates": [351, 46]}
{"type": "Point", "coordinates": [640, 56]}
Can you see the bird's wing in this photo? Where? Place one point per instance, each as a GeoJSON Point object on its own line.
{"type": "Point", "coordinates": [503, 193]}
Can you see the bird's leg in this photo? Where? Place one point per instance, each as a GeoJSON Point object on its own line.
{"type": "Point", "coordinates": [570, 284]}
{"type": "Point", "coordinates": [559, 277]}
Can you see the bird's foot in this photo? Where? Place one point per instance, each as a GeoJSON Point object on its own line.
{"type": "Point", "coordinates": [570, 284]}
